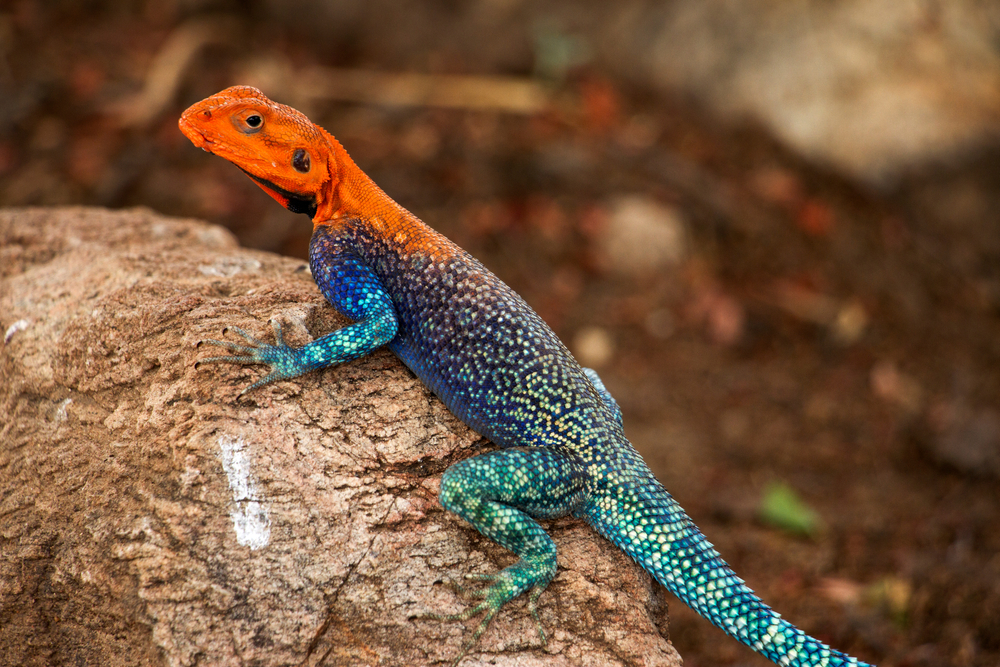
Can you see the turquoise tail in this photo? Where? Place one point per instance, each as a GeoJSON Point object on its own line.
{"type": "Point", "coordinates": [642, 518]}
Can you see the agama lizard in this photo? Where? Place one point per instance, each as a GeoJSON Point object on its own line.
{"type": "Point", "coordinates": [494, 363]}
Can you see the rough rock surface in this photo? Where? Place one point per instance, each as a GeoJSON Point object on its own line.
{"type": "Point", "coordinates": [148, 515]}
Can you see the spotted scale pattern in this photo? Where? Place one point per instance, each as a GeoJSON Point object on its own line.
{"type": "Point", "coordinates": [497, 366]}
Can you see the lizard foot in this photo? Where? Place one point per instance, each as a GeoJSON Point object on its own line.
{"type": "Point", "coordinates": [283, 360]}
{"type": "Point", "coordinates": [501, 589]}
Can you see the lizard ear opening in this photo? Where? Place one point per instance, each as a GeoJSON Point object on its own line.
{"type": "Point", "coordinates": [300, 161]}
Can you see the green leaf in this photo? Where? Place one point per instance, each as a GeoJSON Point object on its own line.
{"type": "Point", "coordinates": [782, 508]}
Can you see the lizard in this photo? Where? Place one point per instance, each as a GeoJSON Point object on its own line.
{"type": "Point", "coordinates": [494, 363]}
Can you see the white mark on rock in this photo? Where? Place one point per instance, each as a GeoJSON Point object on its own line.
{"type": "Point", "coordinates": [61, 411]}
{"type": "Point", "coordinates": [249, 514]}
{"type": "Point", "coordinates": [20, 325]}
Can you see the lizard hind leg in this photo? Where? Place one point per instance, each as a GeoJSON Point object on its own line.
{"type": "Point", "coordinates": [501, 493]}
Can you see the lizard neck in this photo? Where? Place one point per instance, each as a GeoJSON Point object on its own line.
{"type": "Point", "coordinates": [352, 198]}
{"type": "Point", "coordinates": [351, 194]}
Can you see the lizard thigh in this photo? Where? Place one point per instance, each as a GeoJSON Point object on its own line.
{"type": "Point", "coordinates": [502, 492]}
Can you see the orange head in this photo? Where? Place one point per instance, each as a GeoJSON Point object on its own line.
{"type": "Point", "coordinates": [278, 147]}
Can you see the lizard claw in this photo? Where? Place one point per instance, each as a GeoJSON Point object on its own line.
{"type": "Point", "coordinates": [282, 359]}
{"type": "Point", "coordinates": [484, 606]}
{"type": "Point", "coordinates": [493, 598]}
{"type": "Point", "coordinates": [465, 592]}
{"type": "Point", "coordinates": [533, 608]}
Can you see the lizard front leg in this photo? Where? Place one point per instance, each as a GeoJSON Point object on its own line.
{"type": "Point", "coordinates": [355, 291]}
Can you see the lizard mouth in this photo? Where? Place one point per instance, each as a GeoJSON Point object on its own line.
{"type": "Point", "coordinates": [293, 201]}
{"type": "Point", "coordinates": [194, 135]}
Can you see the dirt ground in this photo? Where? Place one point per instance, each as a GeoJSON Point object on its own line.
{"type": "Point", "coordinates": [802, 330]}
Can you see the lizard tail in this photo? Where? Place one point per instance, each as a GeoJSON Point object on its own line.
{"type": "Point", "coordinates": [644, 520]}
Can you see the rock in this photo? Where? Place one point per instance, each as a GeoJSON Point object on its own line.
{"type": "Point", "coordinates": [896, 387]}
{"type": "Point", "coordinates": [868, 87]}
{"type": "Point", "coordinates": [643, 236]}
{"type": "Point", "coordinates": [151, 516]}
{"type": "Point", "coordinates": [593, 346]}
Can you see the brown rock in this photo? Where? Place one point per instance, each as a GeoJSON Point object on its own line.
{"type": "Point", "coordinates": [150, 516]}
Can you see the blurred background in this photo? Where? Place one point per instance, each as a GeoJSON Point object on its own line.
{"type": "Point", "coordinates": [772, 227]}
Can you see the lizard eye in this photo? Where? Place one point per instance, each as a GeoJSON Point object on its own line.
{"type": "Point", "coordinates": [253, 123]}
{"type": "Point", "coordinates": [300, 160]}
